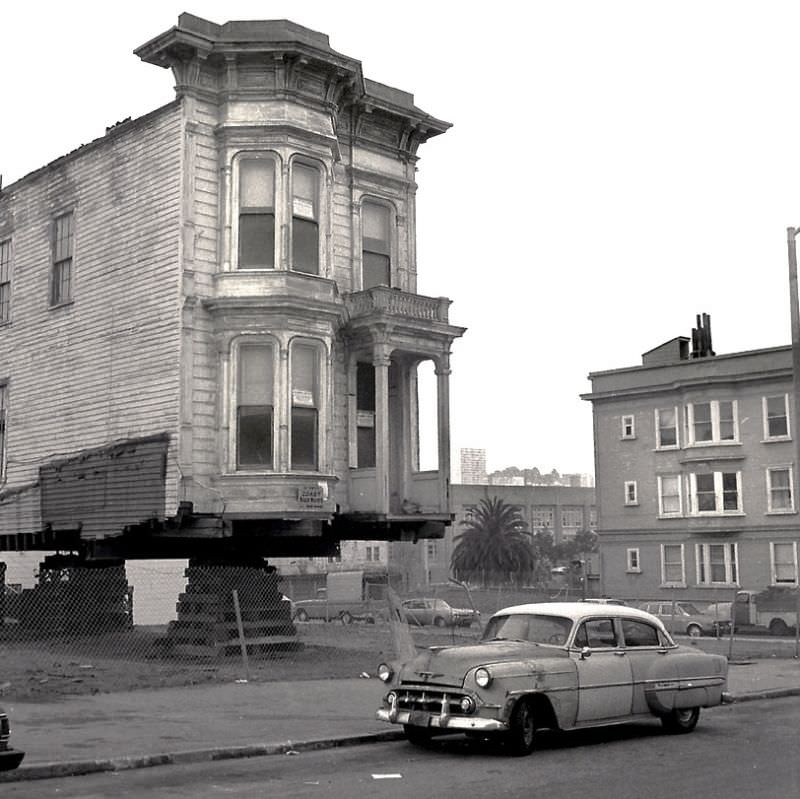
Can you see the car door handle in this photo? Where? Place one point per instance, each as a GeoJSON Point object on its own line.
{"type": "Point", "coordinates": [619, 653]}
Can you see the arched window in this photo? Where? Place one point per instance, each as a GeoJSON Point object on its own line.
{"type": "Point", "coordinates": [376, 261]}
{"type": "Point", "coordinates": [256, 213]}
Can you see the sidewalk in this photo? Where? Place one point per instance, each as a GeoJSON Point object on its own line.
{"type": "Point", "coordinates": [103, 732]}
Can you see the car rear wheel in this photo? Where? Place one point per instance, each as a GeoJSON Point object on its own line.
{"type": "Point", "coordinates": [439, 622]}
{"type": "Point", "coordinates": [417, 736]}
{"type": "Point", "coordinates": [694, 630]}
{"type": "Point", "coordinates": [778, 627]}
{"type": "Point", "coordinates": [680, 721]}
{"type": "Point", "coordinates": [301, 615]}
{"type": "Point", "coordinates": [521, 737]}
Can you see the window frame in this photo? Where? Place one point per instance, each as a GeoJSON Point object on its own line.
{"type": "Point", "coordinates": [773, 563]}
{"type": "Point", "coordinates": [665, 583]}
{"type": "Point", "coordinates": [317, 403]}
{"type": "Point", "coordinates": [719, 495]}
{"type": "Point", "coordinates": [628, 423]}
{"type": "Point", "coordinates": [704, 564]}
{"type": "Point", "coordinates": [4, 392]}
{"type": "Point", "coordinates": [631, 495]}
{"type": "Point", "coordinates": [62, 262]}
{"type": "Point", "coordinates": [264, 343]}
{"type": "Point", "coordinates": [316, 218]}
{"type": "Point", "coordinates": [715, 421]}
{"type": "Point", "coordinates": [659, 427]}
{"type": "Point", "coordinates": [391, 217]}
{"type": "Point", "coordinates": [765, 417]}
{"type": "Point", "coordinates": [633, 561]}
{"type": "Point", "coordinates": [239, 160]}
{"type": "Point", "coordinates": [661, 495]}
{"type": "Point", "coordinates": [6, 267]}
{"type": "Point", "coordinates": [771, 489]}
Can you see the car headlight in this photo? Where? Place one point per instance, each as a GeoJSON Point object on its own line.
{"type": "Point", "coordinates": [482, 677]}
{"type": "Point", "coordinates": [385, 672]}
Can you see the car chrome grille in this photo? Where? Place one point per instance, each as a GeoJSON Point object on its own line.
{"type": "Point", "coordinates": [428, 699]}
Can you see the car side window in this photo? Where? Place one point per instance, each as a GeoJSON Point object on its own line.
{"type": "Point", "coordinates": [639, 633]}
{"type": "Point", "coordinates": [596, 634]}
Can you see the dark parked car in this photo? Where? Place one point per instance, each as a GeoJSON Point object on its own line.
{"type": "Point", "coordinates": [439, 613]}
{"type": "Point", "coordinates": [9, 758]}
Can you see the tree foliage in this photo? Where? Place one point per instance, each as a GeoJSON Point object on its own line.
{"type": "Point", "coordinates": [494, 547]}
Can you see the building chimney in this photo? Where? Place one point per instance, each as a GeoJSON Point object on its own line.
{"type": "Point", "coordinates": [701, 337]}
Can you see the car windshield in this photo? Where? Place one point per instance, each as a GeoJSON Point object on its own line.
{"type": "Point", "coordinates": [688, 607]}
{"type": "Point", "coordinates": [538, 629]}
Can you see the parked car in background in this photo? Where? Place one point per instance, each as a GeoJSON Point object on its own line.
{"type": "Point", "coordinates": [557, 666]}
{"type": "Point", "coordinates": [686, 618]}
{"type": "Point", "coordinates": [438, 613]}
{"type": "Point", "coordinates": [9, 758]}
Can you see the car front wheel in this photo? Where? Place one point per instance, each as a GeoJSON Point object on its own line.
{"type": "Point", "coordinates": [439, 622]}
{"type": "Point", "coordinates": [694, 630]}
{"type": "Point", "coordinates": [680, 721]}
{"type": "Point", "coordinates": [521, 736]}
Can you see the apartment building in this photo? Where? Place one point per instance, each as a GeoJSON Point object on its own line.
{"type": "Point", "coordinates": [696, 459]}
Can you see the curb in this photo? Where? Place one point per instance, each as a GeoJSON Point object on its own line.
{"type": "Point", "coordinates": [76, 768]}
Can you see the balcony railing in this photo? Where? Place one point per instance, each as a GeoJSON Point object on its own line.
{"type": "Point", "coordinates": [385, 300]}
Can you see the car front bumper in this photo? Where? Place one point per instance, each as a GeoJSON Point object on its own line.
{"type": "Point", "coordinates": [441, 721]}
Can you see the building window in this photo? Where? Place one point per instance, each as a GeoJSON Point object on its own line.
{"type": "Point", "coordinates": [717, 564]}
{"type": "Point", "coordinates": [3, 431]}
{"type": "Point", "coordinates": [666, 428]}
{"type": "Point", "coordinates": [542, 518]}
{"type": "Point", "coordinates": [783, 556]}
{"type": "Point", "coordinates": [432, 548]}
{"type": "Point", "coordinates": [305, 219]}
{"type": "Point", "coordinates": [305, 407]}
{"type": "Point", "coordinates": [713, 422]}
{"type": "Point", "coordinates": [63, 246]}
{"type": "Point", "coordinates": [255, 407]}
{"type": "Point", "coordinates": [776, 417]}
{"type": "Point", "coordinates": [5, 281]}
{"type": "Point", "coordinates": [673, 570]}
{"type": "Point", "coordinates": [256, 213]}
{"type": "Point", "coordinates": [365, 415]}
{"type": "Point", "coordinates": [716, 492]}
{"type": "Point", "coordinates": [572, 518]}
{"type": "Point", "coordinates": [628, 427]}
{"type": "Point", "coordinates": [779, 489]}
{"type": "Point", "coordinates": [632, 561]}
{"type": "Point", "coordinates": [373, 553]}
{"type": "Point", "coordinates": [670, 500]}
{"type": "Point", "coordinates": [376, 262]}
{"type": "Point", "coordinates": [630, 493]}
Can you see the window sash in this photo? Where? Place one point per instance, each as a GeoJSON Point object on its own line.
{"type": "Point", "coordinates": [5, 280]}
{"type": "Point", "coordinates": [713, 422]}
{"type": "Point", "coordinates": [630, 492]}
{"type": "Point", "coordinates": [632, 557]}
{"type": "Point", "coordinates": [376, 264]}
{"type": "Point", "coordinates": [61, 273]}
{"type": "Point", "coordinates": [305, 403]}
{"type": "Point", "coordinates": [779, 489]}
{"type": "Point", "coordinates": [669, 495]}
{"type": "Point", "coordinates": [776, 417]}
{"type": "Point", "coordinates": [716, 493]}
{"type": "Point", "coordinates": [673, 567]}
{"type": "Point", "coordinates": [255, 407]}
{"type": "Point", "coordinates": [256, 213]}
{"type": "Point", "coordinates": [3, 429]}
{"type": "Point", "coordinates": [628, 427]}
{"type": "Point", "coordinates": [783, 556]}
{"type": "Point", "coordinates": [666, 428]}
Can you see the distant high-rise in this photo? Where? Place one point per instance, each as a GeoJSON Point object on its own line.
{"type": "Point", "coordinates": [473, 466]}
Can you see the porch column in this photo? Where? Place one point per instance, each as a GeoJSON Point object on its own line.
{"type": "Point", "coordinates": [381, 361]}
{"type": "Point", "coordinates": [443, 417]}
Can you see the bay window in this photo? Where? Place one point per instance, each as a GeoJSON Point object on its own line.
{"type": "Point", "coordinates": [715, 492]}
{"type": "Point", "coordinates": [305, 219]}
{"type": "Point", "coordinates": [717, 564]}
{"type": "Point", "coordinates": [713, 422]}
{"type": "Point", "coordinates": [254, 407]}
{"type": "Point", "coordinates": [256, 213]}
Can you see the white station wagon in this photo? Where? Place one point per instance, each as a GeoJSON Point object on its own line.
{"type": "Point", "coordinates": [553, 665]}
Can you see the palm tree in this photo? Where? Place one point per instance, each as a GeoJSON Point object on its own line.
{"type": "Point", "coordinates": [495, 546]}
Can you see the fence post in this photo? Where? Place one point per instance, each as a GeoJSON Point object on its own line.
{"type": "Point", "coordinates": [240, 627]}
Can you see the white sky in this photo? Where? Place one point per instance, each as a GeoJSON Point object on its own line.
{"type": "Point", "coordinates": [614, 169]}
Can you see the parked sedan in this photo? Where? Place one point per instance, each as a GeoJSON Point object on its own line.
{"type": "Point", "coordinates": [9, 758]}
{"type": "Point", "coordinates": [556, 665]}
{"type": "Point", "coordinates": [685, 618]}
{"type": "Point", "coordinates": [439, 613]}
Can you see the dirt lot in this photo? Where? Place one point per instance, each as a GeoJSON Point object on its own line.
{"type": "Point", "coordinates": [127, 661]}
